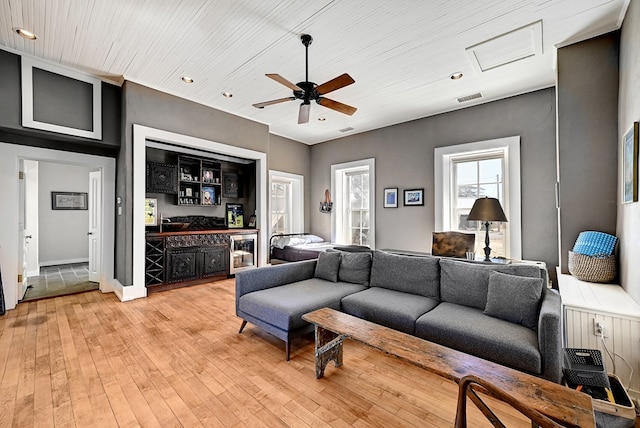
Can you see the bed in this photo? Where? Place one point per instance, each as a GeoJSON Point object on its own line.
{"type": "Point", "coordinates": [295, 247]}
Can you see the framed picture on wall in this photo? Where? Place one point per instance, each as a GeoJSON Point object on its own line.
{"type": "Point", "coordinates": [150, 212]}
{"type": "Point", "coordinates": [230, 185]}
{"type": "Point", "coordinates": [414, 197]}
{"type": "Point", "coordinates": [69, 201]}
{"type": "Point", "coordinates": [630, 165]}
{"type": "Point", "coordinates": [235, 216]}
{"type": "Point", "coordinates": [391, 197]}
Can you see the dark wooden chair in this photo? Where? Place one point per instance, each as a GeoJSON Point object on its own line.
{"type": "Point", "coordinates": [452, 244]}
{"type": "Point", "coordinates": [470, 385]}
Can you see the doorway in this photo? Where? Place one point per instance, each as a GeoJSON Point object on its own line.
{"type": "Point", "coordinates": [60, 223]}
{"type": "Point", "coordinates": [11, 228]}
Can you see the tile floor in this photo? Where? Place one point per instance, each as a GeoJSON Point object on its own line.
{"type": "Point", "coordinates": [60, 280]}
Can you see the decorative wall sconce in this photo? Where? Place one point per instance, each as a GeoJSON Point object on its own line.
{"type": "Point", "coordinates": [326, 205]}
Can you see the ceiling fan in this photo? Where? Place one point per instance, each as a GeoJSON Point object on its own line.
{"type": "Point", "coordinates": [308, 91]}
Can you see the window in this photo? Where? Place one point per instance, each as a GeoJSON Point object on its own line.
{"type": "Point", "coordinates": [466, 172]}
{"type": "Point", "coordinates": [281, 206]}
{"type": "Point", "coordinates": [287, 202]}
{"type": "Point", "coordinates": [353, 186]}
{"type": "Point", "coordinates": [475, 176]}
{"type": "Point", "coordinates": [357, 207]}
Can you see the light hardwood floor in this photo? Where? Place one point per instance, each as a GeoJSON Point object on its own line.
{"type": "Point", "coordinates": [176, 359]}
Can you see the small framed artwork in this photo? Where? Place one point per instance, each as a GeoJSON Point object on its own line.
{"type": "Point", "coordinates": [208, 195]}
{"type": "Point", "coordinates": [207, 176]}
{"type": "Point", "coordinates": [230, 187]}
{"type": "Point", "coordinates": [413, 197]}
{"type": "Point", "coordinates": [188, 192]}
{"type": "Point", "coordinates": [630, 165]}
{"type": "Point", "coordinates": [235, 216]}
{"type": "Point", "coordinates": [69, 201]}
{"type": "Point", "coordinates": [391, 197]}
{"type": "Point", "coordinates": [252, 221]}
{"type": "Point", "coordinates": [150, 212]}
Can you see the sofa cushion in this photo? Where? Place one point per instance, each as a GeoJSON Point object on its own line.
{"type": "Point", "coordinates": [328, 266]}
{"type": "Point", "coordinates": [467, 283]}
{"type": "Point", "coordinates": [415, 275]}
{"type": "Point", "coordinates": [284, 306]}
{"type": "Point", "coordinates": [393, 309]}
{"type": "Point", "coordinates": [355, 267]}
{"type": "Point", "coordinates": [469, 330]}
{"type": "Point", "coordinates": [514, 298]}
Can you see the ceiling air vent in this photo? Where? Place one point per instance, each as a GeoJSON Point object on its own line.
{"type": "Point", "coordinates": [470, 97]}
{"type": "Point", "coordinates": [346, 129]}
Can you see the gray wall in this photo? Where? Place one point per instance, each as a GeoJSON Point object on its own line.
{"type": "Point", "coordinates": [12, 131]}
{"type": "Point", "coordinates": [628, 221]}
{"type": "Point", "coordinates": [404, 159]}
{"type": "Point", "coordinates": [62, 234]}
{"type": "Point", "coordinates": [148, 107]}
{"type": "Point", "coordinates": [587, 91]}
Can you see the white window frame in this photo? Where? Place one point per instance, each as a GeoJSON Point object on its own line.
{"type": "Point", "coordinates": [510, 146]}
{"type": "Point", "coordinates": [338, 172]}
{"type": "Point", "coordinates": [297, 198]}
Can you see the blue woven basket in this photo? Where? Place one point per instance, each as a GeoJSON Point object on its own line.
{"type": "Point", "coordinates": [592, 243]}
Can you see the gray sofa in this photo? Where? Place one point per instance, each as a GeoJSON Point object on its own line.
{"type": "Point", "coordinates": [499, 312]}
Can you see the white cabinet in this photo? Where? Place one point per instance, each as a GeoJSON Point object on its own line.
{"type": "Point", "coordinates": [582, 303]}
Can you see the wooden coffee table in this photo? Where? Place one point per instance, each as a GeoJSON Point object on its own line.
{"type": "Point", "coordinates": [566, 406]}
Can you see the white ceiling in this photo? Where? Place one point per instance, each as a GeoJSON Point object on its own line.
{"type": "Point", "coordinates": [400, 53]}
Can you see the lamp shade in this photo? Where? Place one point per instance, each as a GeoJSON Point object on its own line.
{"type": "Point", "coordinates": [487, 209]}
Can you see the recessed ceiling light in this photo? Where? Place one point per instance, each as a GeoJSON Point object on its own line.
{"type": "Point", "coordinates": [187, 79]}
{"type": "Point", "coordinates": [227, 94]}
{"type": "Point", "coordinates": [322, 119]}
{"type": "Point", "coordinates": [457, 75]}
{"type": "Point", "coordinates": [25, 33]}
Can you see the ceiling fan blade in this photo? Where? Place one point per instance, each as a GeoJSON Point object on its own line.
{"type": "Point", "coordinates": [268, 103]}
{"type": "Point", "coordinates": [303, 115]}
{"type": "Point", "coordinates": [333, 84]}
{"type": "Point", "coordinates": [337, 106]}
{"type": "Point", "coordinates": [283, 81]}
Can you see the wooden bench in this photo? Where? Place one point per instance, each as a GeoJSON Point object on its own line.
{"type": "Point", "coordinates": [564, 405]}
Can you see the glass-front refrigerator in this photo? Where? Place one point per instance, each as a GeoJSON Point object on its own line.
{"type": "Point", "coordinates": [243, 252]}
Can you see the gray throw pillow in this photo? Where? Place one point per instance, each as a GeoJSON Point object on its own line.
{"type": "Point", "coordinates": [355, 268]}
{"type": "Point", "coordinates": [466, 283]}
{"type": "Point", "coordinates": [409, 274]}
{"type": "Point", "coordinates": [327, 266]}
{"type": "Point", "coordinates": [514, 298]}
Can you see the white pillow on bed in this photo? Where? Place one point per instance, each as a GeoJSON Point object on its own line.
{"type": "Point", "coordinates": [288, 241]}
{"type": "Point", "coordinates": [312, 239]}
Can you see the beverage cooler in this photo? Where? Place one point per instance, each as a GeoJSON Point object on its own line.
{"type": "Point", "coordinates": [243, 252]}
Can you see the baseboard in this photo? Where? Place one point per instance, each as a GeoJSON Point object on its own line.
{"type": "Point", "coordinates": [126, 293]}
{"type": "Point", "coordinates": [64, 262]}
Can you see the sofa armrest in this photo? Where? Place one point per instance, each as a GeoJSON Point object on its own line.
{"type": "Point", "coordinates": [550, 335]}
{"type": "Point", "coordinates": [272, 276]}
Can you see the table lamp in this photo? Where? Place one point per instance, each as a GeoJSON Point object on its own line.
{"type": "Point", "coordinates": [487, 210]}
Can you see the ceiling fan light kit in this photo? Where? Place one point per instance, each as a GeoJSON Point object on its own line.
{"type": "Point", "coordinates": [309, 91]}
